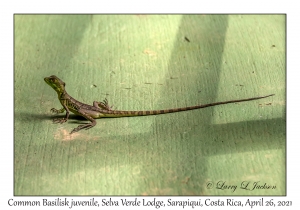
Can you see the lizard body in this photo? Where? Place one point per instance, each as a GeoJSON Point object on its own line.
{"type": "Point", "coordinates": [102, 109]}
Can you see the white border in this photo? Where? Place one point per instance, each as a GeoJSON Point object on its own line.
{"type": "Point", "coordinates": [154, 6]}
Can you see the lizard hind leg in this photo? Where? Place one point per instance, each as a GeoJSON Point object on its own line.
{"type": "Point", "coordinates": [85, 126]}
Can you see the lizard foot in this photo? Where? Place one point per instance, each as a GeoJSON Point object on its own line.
{"type": "Point", "coordinates": [59, 120]}
{"type": "Point", "coordinates": [53, 110]}
{"type": "Point", "coordinates": [57, 111]}
{"type": "Point", "coordinates": [80, 127]}
{"type": "Point", "coordinates": [103, 105]}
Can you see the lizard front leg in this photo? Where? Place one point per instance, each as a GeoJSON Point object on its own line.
{"type": "Point", "coordinates": [86, 126]}
{"type": "Point", "coordinates": [102, 105]}
{"type": "Point", "coordinates": [61, 120]}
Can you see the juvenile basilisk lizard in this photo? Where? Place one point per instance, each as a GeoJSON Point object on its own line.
{"type": "Point", "coordinates": [102, 109]}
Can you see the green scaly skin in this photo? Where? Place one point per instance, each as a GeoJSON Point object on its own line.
{"type": "Point", "coordinates": [102, 109]}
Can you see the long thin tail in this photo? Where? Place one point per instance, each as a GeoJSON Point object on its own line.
{"type": "Point", "coordinates": [119, 113]}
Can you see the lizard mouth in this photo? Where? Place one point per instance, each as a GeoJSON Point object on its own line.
{"type": "Point", "coordinates": [46, 79]}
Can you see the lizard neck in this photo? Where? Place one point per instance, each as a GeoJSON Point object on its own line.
{"type": "Point", "coordinates": [62, 94]}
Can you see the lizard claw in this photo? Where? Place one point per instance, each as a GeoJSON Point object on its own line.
{"type": "Point", "coordinates": [106, 104]}
{"type": "Point", "coordinates": [105, 101]}
{"type": "Point", "coordinates": [103, 105]}
{"type": "Point", "coordinates": [53, 110]}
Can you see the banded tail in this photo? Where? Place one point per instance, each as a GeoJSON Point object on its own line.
{"type": "Point", "coordinates": [119, 113]}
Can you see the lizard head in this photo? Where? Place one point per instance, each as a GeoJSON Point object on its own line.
{"type": "Point", "coordinates": [57, 84]}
